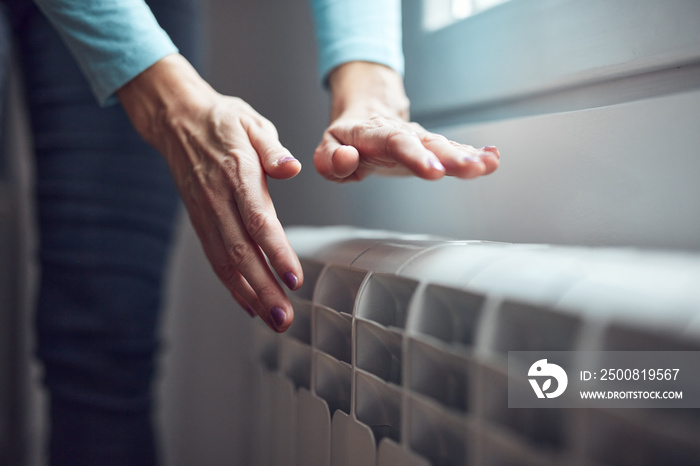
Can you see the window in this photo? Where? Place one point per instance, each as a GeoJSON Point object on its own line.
{"type": "Point", "coordinates": [540, 56]}
{"type": "Point", "coordinates": [441, 13]}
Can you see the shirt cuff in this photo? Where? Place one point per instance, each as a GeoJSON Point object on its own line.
{"type": "Point", "coordinates": [108, 78]}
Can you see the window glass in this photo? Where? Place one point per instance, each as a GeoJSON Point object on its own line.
{"type": "Point", "coordinates": [441, 13]}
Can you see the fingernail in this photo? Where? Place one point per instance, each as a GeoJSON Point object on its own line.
{"type": "Point", "coordinates": [435, 163]}
{"type": "Point", "coordinates": [278, 316]}
{"type": "Point", "coordinates": [492, 150]}
{"type": "Point", "coordinates": [250, 311]}
{"type": "Point", "coordinates": [285, 159]}
{"type": "Point", "coordinates": [290, 280]}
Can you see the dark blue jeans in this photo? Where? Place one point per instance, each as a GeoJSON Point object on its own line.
{"type": "Point", "coordinates": [106, 208]}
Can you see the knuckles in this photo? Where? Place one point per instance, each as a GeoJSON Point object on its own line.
{"type": "Point", "coordinates": [258, 223]}
{"type": "Point", "coordinates": [396, 141]}
{"type": "Point", "coordinates": [230, 166]}
{"type": "Point", "coordinates": [239, 256]}
{"type": "Point", "coordinates": [226, 271]}
{"type": "Point", "coordinates": [430, 138]}
{"type": "Point", "coordinates": [267, 290]}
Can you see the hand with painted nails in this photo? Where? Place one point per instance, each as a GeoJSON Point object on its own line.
{"type": "Point", "coordinates": [370, 133]}
{"type": "Point", "coordinates": [219, 151]}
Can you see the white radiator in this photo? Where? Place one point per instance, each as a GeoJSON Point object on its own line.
{"type": "Point", "coordinates": [397, 355]}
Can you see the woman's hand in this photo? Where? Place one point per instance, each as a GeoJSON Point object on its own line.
{"type": "Point", "coordinates": [219, 151]}
{"type": "Point", "coordinates": [370, 133]}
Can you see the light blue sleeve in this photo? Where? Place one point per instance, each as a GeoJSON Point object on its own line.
{"type": "Point", "coordinates": [112, 40]}
{"type": "Point", "coordinates": [349, 30]}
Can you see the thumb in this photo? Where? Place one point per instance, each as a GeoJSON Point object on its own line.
{"type": "Point", "coordinates": [335, 161]}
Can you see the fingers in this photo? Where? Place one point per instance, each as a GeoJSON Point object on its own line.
{"type": "Point", "coordinates": [253, 200]}
{"type": "Point", "coordinates": [249, 228]}
{"type": "Point", "coordinates": [244, 304]}
{"type": "Point", "coordinates": [225, 192]}
{"type": "Point", "coordinates": [203, 221]}
{"type": "Point", "coordinates": [407, 149]}
{"type": "Point", "coordinates": [344, 161]}
{"type": "Point", "coordinates": [334, 160]}
{"type": "Point", "coordinates": [239, 262]}
{"type": "Point", "coordinates": [460, 160]}
{"type": "Point", "coordinates": [351, 149]}
{"type": "Point", "coordinates": [491, 158]}
{"type": "Point", "coordinates": [260, 221]}
{"type": "Point", "coordinates": [245, 271]}
{"type": "Point", "coordinates": [277, 161]}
